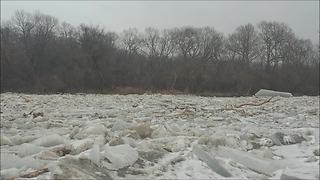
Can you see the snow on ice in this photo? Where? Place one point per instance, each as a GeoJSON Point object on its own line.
{"type": "Point", "coordinates": [159, 136]}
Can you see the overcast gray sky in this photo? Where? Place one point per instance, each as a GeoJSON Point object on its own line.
{"type": "Point", "coordinates": [301, 16]}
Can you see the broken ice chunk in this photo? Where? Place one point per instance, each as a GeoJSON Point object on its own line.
{"type": "Point", "coordinates": [277, 138]}
{"type": "Point", "coordinates": [297, 174]}
{"type": "Point", "coordinates": [94, 154]}
{"type": "Point", "coordinates": [160, 132]}
{"type": "Point", "coordinates": [253, 162]}
{"type": "Point", "coordinates": [72, 168]}
{"type": "Point", "coordinates": [265, 92]}
{"type": "Point", "coordinates": [47, 155]}
{"type": "Point", "coordinates": [9, 173]}
{"type": "Point", "coordinates": [143, 130]}
{"type": "Point", "coordinates": [120, 125]}
{"type": "Point", "coordinates": [210, 161]}
{"type": "Point", "coordinates": [78, 146]}
{"type": "Point", "coordinates": [92, 130]}
{"type": "Point", "coordinates": [17, 139]}
{"type": "Point", "coordinates": [5, 140]}
{"type": "Point", "coordinates": [119, 156]}
{"type": "Point", "coordinates": [27, 149]}
{"type": "Point", "coordinates": [13, 161]}
{"type": "Point", "coordinates": [116, 141]}
{"type": "Point", "coordinates": [50, 140]}
{"type": "Point", "coordinates": [74, 131]}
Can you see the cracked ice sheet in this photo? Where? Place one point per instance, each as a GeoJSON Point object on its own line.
{"type": "Point", "coordinates": [193, 168]}
{"type": "Point", "coordinates": [190, 169]}
{"type": "Point", "coordinates": [284, 115]}
{"type": "Point", "coordinates": [297, 155]}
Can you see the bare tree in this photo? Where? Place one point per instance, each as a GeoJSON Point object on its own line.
{"type": "Point", "coordinates": [24, 23]}
{"type": "Point", "coordinates": [274, 36]}
{"type": "Point", "coordinates": [244, 43]}
{"type": "Point", "coordinates": [297, 51]}
{"type": "Point", "coordinates": [8, 42]}
{"type": "Point", "coordinates": [167, 43]}
{"type": "Point", "coordinates": [158, 44]}
{"type": "Point", "coordinates": [188, 41]}
{"type": "Point", "coordinates": [212, 44]}
{"type": "Point", "coordinates": [44, 25]}
{"type": "Point", "coordinates": [131, 41]}
{"type": "Point", "coordinates": [41, 55]}
{"type": "Point", "coordinates": [151, 42]}
{"type": "Point", "coordinates": [97, 45]}
{"type": "Point", "coordinates": [67, 31]}
{"type": "Point", "coordinates": [199, 42]}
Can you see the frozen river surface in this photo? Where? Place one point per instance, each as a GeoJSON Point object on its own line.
{"type": "Point", "coordinates": [158, 137]}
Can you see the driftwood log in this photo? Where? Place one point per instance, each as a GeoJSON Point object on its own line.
{"type": "Point", "coordinates": [254, 104]}
{"type": "Point", "coordinates": [33, 174]}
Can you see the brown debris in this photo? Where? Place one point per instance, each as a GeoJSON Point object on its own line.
{"type": "Point", "coordinates": [61, 151]}
{"type": "Point", "coordinates": [254, 104]}
{"type": "Point", "coordinates": [143, 130]}
{"type": "Point", "coordinates": [35, 173]}
{"type": "Point", "coordinates": [36, 114]}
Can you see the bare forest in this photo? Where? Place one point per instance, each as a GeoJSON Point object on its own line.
{"type": "Point", "coordinates": [41, 54]}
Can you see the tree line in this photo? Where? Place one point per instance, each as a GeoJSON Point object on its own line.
{"type": "Point", "coordinates": [41, 55]}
